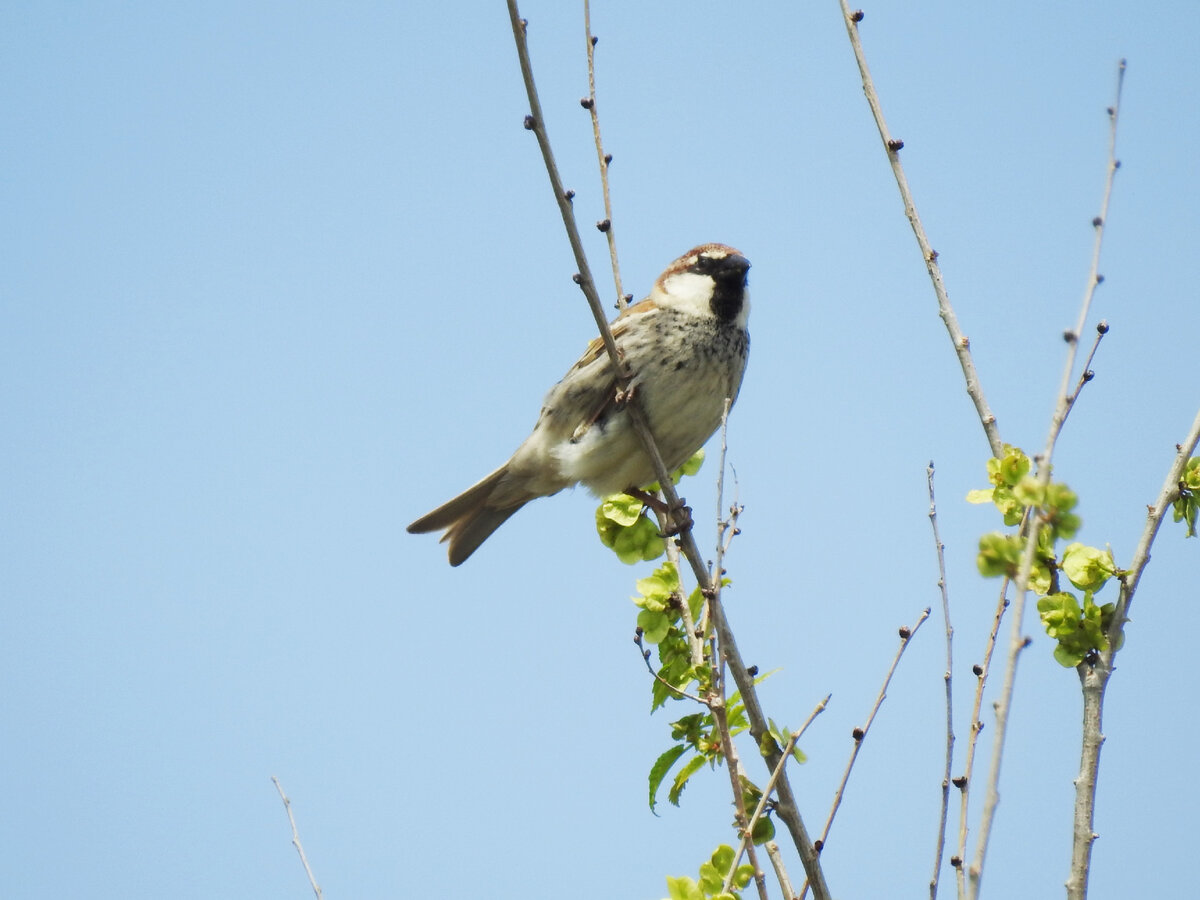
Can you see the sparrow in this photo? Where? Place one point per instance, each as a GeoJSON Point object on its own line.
{"type": "Point", "coordinates": [686, 345]}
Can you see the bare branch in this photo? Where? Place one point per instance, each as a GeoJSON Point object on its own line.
{"type": "Point", "coordinates": [963, 782]}
{"type": "Point", "coordinates": [860, 732]}
{"type": "Point", "coordinates": [602, 158]}
{"type": "Point", "coordinates": [949, 679]}
{"type": "Point", "coordinates": [287, 804]}
{"type": "Point", "coordinates": [962, 345]}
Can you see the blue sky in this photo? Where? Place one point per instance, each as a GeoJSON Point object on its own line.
{"type": "Point", "coordinates": [278, 278]}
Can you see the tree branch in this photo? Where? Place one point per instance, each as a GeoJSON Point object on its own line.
{"type": "Point", "coordinates": [948, 677]}
{"type": "Point", "coordinates": [962, 345]}
{"type": "Point", "coordinates": [287, 804]}
{"type": "Point", "coordinates": [860, 732]}
{"type": "Point", "coordinates": [786, 804]}
{"type": "Point", "coordinates": [1062, 407]}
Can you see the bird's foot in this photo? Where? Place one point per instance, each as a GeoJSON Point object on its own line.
{"type": "Point", "coordinates": [624, 396]}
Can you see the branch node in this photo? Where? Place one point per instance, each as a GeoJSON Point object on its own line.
{"type": "Point", "coordinates": [857, 16]}
{"type": "Point", "coordinates": [587, 102]}
{"type": "Point", "coordinates": [603, 225]}
{"type": "Point", "coordinates": [895, 145]}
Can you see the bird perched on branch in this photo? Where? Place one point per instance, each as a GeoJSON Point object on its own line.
{"type": "Point", "coordinates": [686, 345]}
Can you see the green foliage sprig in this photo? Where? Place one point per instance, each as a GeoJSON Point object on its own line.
{"type": "Point", "coordinates": [1186, 504]}
{"type": "Point", "coordinates": [712, 878]}
{"type": "Point", "coordinates": [625, 525]}
{"type": "Point", "coordinates": [1080, 626]}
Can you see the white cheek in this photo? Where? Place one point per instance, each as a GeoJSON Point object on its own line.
{"type": "Point", "coordinates": [690, 292]}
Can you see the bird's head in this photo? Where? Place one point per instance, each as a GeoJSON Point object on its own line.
{"type": "Point", "coordinates": [709, 280]}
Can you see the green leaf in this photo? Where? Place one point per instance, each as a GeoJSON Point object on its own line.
{"type": "Point", "coordinates": [722, 859]}
{"type": "Point", "coordinates": [1087, 567]}
{"type": "Point", "coordinates": [683, 889]}
{"type": "Point", "coordinates": [980, 495]}
{"type": "Point", "coordinates": [1060, 614]}
{"type": "Point", "coordinates": [763, 831]}
{"type": "Point", "coordinates": [711, 881]}
{"type": "Point", "coordinates": [639, 542]}
{"type": "Point", "coordinates": [654, 624]}
{"type": "Point", "coordinates": [622, 509]}
{"type": "Point", "coordinates": [1010, 468]}
{"type": "Point", "coordinates": [693, 766]}
{"type": "Point", "coordinates": [1191, 474]}
{"type": "Point", "coordinates": [1067, 658]}
{"type": "Point", "coordinates": [742, 876]}
{"type": "Point", "coordinates": [999, 554]}
{"type": "Point", "coordinates": [659, 771]}
{"type": "Point", "coordinates": [692, 466]}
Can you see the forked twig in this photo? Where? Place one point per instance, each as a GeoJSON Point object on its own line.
{"type": "Point", "coordinates": [748, 830]}
{"type": "Point", "coordinates": [860, 732]}
{"type": "Point", "coordinates": [1017, 641]}
{"type": "Point", "coordinates": [786, 806]}
{"type": "Point", "coordinates": [287, 804]}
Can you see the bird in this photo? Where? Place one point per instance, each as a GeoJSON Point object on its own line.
{"type": "Point", "coordinates": [686, 344]}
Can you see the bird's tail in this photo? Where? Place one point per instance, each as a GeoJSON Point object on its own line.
{"type": "Point", "coordinates": [470, 518]}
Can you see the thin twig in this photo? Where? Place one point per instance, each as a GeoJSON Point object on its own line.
{"type": "Point", "coordinates": [287, 804]}
{"type": "Point", "coordinates": [726, 528]}
{"type": "Point", "coordinates": [1086, 374]}
{"type": "Point", "coordinates": [962, 346]}
{"type": "Point", "coordinates": [860, 732]}
{"type": "Point", "coordinates": [1062, 406]}
{"type": "Point", "coordinates": [963, 782]}
{"type": "Point", "coordinates": [679, 692]}
{"type": "Point", "coordinates": [786, 805]}
{"type": "Point", "coordinates": [604, 159]}
{"type": "Point", "coordinates": [948, 678]}
{"type": "Point", "coordinates": [748, 831]}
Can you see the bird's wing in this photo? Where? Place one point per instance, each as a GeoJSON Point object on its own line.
{"type": "Point", "coordinates": [591, 384]}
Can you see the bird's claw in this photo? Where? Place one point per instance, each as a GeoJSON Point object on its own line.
{"type": "Point", "coordinates": [679, 520]}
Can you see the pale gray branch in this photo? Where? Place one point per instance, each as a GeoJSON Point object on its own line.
{"type": "Point", "coordinates": [948, 677]}
{"type": "Point", "coordinates": [287, 805]}
{"type": "Point", "coordinates": [962, 345]}
{"type": "Point", "coordinates": [860, 733]}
